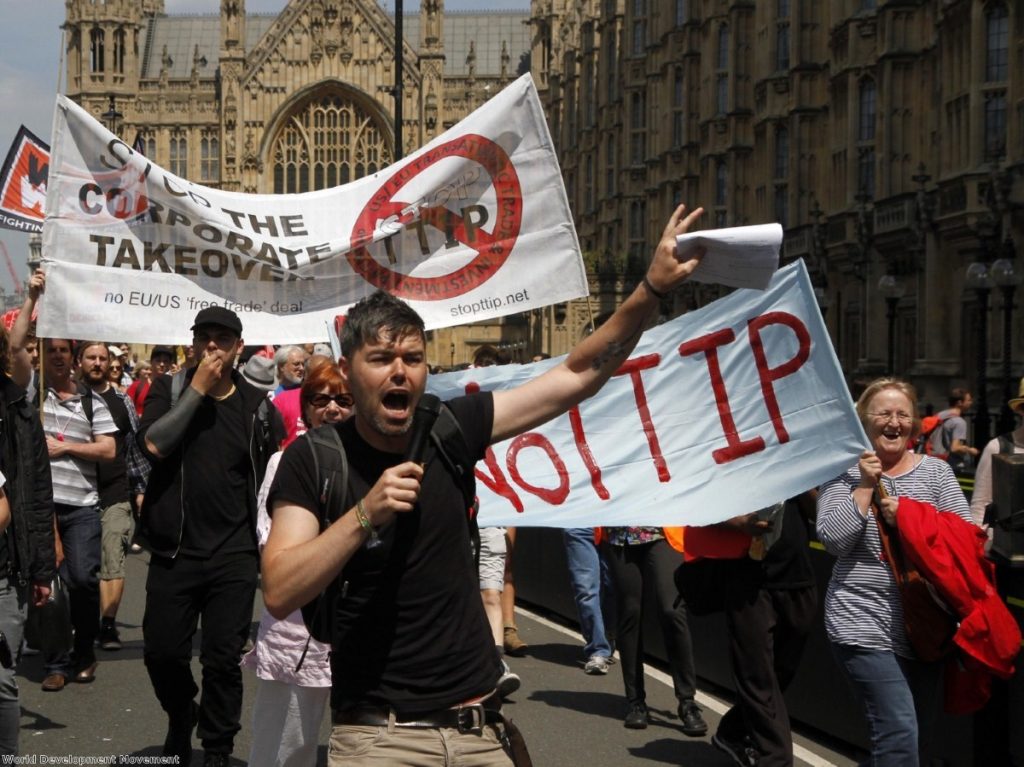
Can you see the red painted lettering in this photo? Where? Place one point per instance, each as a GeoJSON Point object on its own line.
{"type": "Point", "coordinates": [769, 375]}
{"type": "Point", "coordinates": [708, 345]}
{"type": "Point", "coordinates": [633, 367]}
{"type": "Point", "coordinates": [496, 481]}
{"type": "Point", "coordinates": [588, 457]}
{"type": "Point", "coordinates": [553, 496]}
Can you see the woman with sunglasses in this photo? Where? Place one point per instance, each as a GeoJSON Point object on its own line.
{"type": "Point", "coordinates": [900, 693]}
{"type": "Point", "coordinates": [293, 670]}
{"type": "Point", "coordinates": [115, 374]}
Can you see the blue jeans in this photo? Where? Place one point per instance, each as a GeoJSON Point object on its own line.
{"type": "Point", "coordinates": [80, 534]}
{"type": "Point", "coordinates": [13, 609]}
{"type": "Point", "coordinates": [591, 585]}
{"type": "Point", "coordinates": [900, 698]}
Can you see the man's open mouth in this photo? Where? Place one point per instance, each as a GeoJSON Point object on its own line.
{"type": "Point", "coordinates": [396, 401]}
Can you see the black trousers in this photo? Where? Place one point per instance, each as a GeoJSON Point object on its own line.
{"type": "Point", "coordinates": [768, 630]}
{"type": "Point", "coordinates": [180, 592]}
{"type": "Point", "coordinates": [649, 567]}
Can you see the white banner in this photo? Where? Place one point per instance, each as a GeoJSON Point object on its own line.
{"type": "Point", "coordinates": [717, 413]}
{"type": "Point", "coordinates": [475, 225]}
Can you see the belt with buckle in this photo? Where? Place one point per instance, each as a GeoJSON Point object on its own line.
{"type": "Point", "coordinates": [466, 718]}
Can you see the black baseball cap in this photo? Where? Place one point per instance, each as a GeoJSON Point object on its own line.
{"type": "Point", "coordinates": [218, 315]}
{"type": "Point", "coordinates": [166, 351]}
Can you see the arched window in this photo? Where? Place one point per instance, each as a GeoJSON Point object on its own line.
{"type": "Point", "coordinates": [781, 170]}
{"type": "Point", "coordinates": [327, 141]}
{"type": "Point", "coordinates": [781, 35]}
{"type": "Point", "coordinates": [867, 111]}
{"type": "Point", "coordinates": [119, 49]}
{"type": "Point", "coordinates": [722, 72]}
{"type": "Point", "coordinates": [639, 27]}
{"type": "Point", "coordinates": [867, 115]}
{"type": "Point", "coordinates": [997, 47]}
{"type": "Point", "coordinates": [780, 173]}
{"type": "Point", "coordinates": [637, 227]}
{"type": "Point", "coordinates": [209, 161]}
{"type": "Point", "coordinates": [179, 154]}
{"type": "Point", "coordinates": [678, 113]}
{"type": "Point", "coordinates": [97, 49]}
{"type": "Point", "coordinates": [638, 128]}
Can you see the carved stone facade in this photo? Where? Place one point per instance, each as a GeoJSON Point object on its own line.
{"type": "Point", "coordinates": [886, 137]}
{"type": "Point", "coordinates": [292, 102]}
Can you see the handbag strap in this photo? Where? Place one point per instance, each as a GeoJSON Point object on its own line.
{"type": "Point", "coordinates": [890, 542]}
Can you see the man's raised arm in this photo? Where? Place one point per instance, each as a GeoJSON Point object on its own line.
{"type": "Point", "coordinates": [594, 359]}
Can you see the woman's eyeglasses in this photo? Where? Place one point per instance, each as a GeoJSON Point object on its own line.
{"type": "Point", "coordinates": [323, 400]}
{"type": "Point", "coordinates": [888, 415]}
{"type": "Point", "coordinates": [116, 368]}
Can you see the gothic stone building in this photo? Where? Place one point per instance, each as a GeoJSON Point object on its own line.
{"type": "Point", "coordinates": [295, 101]}
{"type": "Point", "coordinates": [887, 137]}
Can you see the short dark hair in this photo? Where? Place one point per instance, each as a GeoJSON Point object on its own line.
{"type": "Point", "coordinates": [959, 394]}
{"type": "Point", "coordinates": [378, 312]}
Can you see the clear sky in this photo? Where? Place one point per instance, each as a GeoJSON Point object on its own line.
{"type": "Point", "coordinates": [30, 50]}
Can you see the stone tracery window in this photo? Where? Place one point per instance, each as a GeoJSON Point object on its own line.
{"type": "Point", "coordinates": [327, 141]}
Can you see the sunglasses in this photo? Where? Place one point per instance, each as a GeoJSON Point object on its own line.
{"type": "Point", "coordinates": [116, 368]}
{"type": "Point", "coordinates": [323, 400]}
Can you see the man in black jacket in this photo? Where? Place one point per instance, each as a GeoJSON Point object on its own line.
{"type": "Point", "coordinates": [209, 444]}
{"type": "Point", "coordinates": [27, 560]}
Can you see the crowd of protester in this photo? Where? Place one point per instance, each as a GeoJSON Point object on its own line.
{"type": "Point", "coordinates": [212, 460]}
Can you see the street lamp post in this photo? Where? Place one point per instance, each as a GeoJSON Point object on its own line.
{"type": "Point", "coordinates": [891, 290]}
{"type": "Point", "coordinates": [1006, 278]}
{"type": "Point", "coordinates": [979, 280]}
{"type": "Point", "coordinates": [111, 117]}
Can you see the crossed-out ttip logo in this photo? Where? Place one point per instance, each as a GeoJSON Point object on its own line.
{"type": "Point", "coordinates": [462, 198]}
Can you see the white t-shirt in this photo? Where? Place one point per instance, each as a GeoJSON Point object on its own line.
{"type": "Point", "coordinates": [74, 480]}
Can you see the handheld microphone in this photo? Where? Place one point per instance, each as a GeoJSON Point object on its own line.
{"type": "Point", "coordinates": [422, 422]}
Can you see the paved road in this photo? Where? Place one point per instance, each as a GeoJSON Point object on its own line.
{"type": "Point", "coordinates": [568, 718]}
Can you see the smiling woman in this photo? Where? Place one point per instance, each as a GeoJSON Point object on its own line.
{"type": "Point", "coordinates": [863, 612]}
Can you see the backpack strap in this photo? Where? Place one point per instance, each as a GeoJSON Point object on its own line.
{"type": "Point", "coordinates": [330, 464]}
{"type": "Point", "coordinates": [450, 442]}
{"type": "Point", "coordinates": [86, 403]}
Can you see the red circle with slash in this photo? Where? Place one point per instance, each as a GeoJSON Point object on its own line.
{"type": "Point", "coordinates": [492, 249]}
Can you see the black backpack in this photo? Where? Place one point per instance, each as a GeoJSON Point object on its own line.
{"type": "Point", "coordinates": [84, 392]}
{"type": "Point", "coordinates": [331, 466]}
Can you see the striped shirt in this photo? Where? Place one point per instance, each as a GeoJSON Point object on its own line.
{"type": "Point", "coordinates": [74, 480]}
{"type": "Point", "coordinates": [862, 605]}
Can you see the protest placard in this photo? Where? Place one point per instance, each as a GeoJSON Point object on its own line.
{"type": "Point", "coordinates": [473, 226]}
{"type": "Point", "coordinates": [718, 412]}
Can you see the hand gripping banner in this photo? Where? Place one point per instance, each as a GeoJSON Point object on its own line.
{"type": "Point", "coordinates": [475, 225]}
{"type": "Point", "coordinates": [717, 413]}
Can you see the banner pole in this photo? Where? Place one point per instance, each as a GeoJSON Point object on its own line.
{"type": "Point", "coordinates": [40, 345]}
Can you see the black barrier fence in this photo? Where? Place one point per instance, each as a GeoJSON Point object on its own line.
{"type": "Point", "coordinates": [818, 697]}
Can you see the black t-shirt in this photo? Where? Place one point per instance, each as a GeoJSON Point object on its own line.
{"type": "Point", "coordinates": [215, 469]}
{"type": "Point", "coordinates": [112, 476]}
{"type": "Point", "coordinates": [410, 631]}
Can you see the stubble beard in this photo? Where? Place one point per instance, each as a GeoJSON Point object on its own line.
{"type": "Point", "coordinates": [371, 409]}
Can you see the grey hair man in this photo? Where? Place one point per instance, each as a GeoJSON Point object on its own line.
{"type": "Point", "coordinates": [291, 367]}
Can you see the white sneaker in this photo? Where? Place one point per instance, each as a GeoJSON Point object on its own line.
{"type": "Point", "coordinates": [598, 664]}
{"type": "Point", "coordinates": [508, 682]}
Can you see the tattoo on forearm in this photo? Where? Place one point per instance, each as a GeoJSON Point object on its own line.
{"type": "Point", "coordinates": [616, 351]}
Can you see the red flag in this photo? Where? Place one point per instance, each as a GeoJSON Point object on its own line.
{"type": "Point", "coordinates": [23, 183]}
